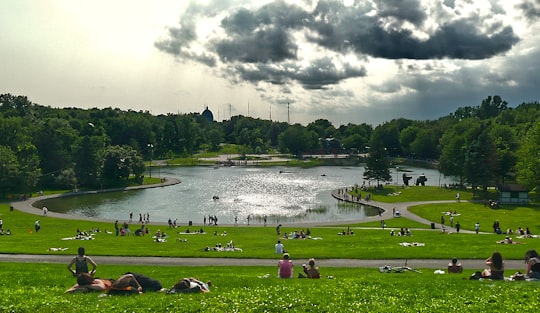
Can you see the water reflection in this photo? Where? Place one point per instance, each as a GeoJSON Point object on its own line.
{"type": "Point", "coordinates": [283, 195]}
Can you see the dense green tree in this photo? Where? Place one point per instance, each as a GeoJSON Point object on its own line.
{"type": "Point", "coordinates": [388, 133]}
{"type": "Point", "coordinates": [528, 164]}
{"type": "Point", "coordinates": [11, 105]}
{"type": "Point", "coordinates": [29, 170]}
{"type": "Point", "coordinates": [119, 163]}
{"type": "Point", "coordinates": [425, 144]}
{"type": "Point", "coordinates": [481, 161]}
{"type": "Point", "coordinates": [54, 139]}
{"type": "Point", "coordinates": [354, 138]}
{"type": "Point", "coordinates": [506, 146]}
{"type": "Point", "coordinates": [454, 143]}
{"type": "Point", "coordinates": [322, 127]}
{"type": "Point", "coordinates": [297, 139]}
{"type": "Point", "coordinates": [66, 179]}
{"type": "Point", "coordinates": [9, 171]}
{"type": "Point", "coordinates": [377, 163]}
{"type": "Point", "coordinates": [88, 155]}
{"type": "Point", "coordinates": [407, 137]}
{"type": "Point", "coordinates": [491, 107]}
{"type": "Point", "coordinates": [214, 138]}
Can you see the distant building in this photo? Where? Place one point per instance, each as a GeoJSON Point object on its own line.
{"type": "Point", "coordinates": [207, 114]}
{"type": "Point", "coordinates": [513, 193]}
{"type": "Point", "coordinates": [330, 145]}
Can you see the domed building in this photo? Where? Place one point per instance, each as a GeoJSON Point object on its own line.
{"type": "Point", "coordinates": [207, 114]}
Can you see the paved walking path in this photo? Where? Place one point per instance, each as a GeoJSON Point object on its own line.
{"type": "Point", "coordinates": [388, 209]}
{"type": "Point", "coordinates": [26, 205]}
{"type": "Point", "coordinates": [471, 264]}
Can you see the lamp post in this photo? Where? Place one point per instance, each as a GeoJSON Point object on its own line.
{"type": "Point", "coordinates": [151, 147]}
{"type": "Point", "coordinates": [397, 175]}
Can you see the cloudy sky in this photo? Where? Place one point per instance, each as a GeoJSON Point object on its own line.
{"type": "Point", "coordinates": [350, 61]}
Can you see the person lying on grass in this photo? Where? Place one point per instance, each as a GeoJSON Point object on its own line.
{"type": "Point", "coordinates": [129, 283]}
{"type": "Point", "coordinates": [190, 285]}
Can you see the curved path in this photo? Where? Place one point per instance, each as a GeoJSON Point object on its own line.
{"type": "Point", "coordinates": [388, 208]}
{"type": "Point", "coordinates": [26, 205]}
{"type": "Point", "coordinates": [340, 194]}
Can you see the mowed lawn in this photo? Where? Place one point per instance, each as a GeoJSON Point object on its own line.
{"type": "Point", "coordinates": [28, 287]}
{"type": "Point", "coordinates": [40, 288]}
{"type": "Point", "coordinates": [368, 242]}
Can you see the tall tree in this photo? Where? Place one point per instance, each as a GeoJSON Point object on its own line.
{"type": "Point", "coordinates": [491, 107]}
{"type": "Point", "coordinates": [481, 161]}
{"type": "Point", "coordinates": [296, 139]}
{"type": "Point", "coordinates": [377, 163]}
{"type": "Point", "coordinates": [528, 165]}
{"type": "Point", "coordinates": [9, 171]}
{"type": "Point", "coordinates": [119, 163]}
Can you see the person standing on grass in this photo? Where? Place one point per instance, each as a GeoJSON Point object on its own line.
{"type": "Point", "coordinates": [477, 227]}
{"type": "Point", "coordinates": [81, 262]}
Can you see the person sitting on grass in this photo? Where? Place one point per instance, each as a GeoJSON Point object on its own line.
{"type": "Point", "coordinates": [310, 270]}
{"type": "Point", "coordinates": [455, 267]}
{"type": "Point", "coordinates": [285, 267]}
{"type": "Point", "coordinates": [81, 262]}
{"type": "Point", "coordinates": [532, 259]}
{"type": "Point", "coordinates": [496, 267]}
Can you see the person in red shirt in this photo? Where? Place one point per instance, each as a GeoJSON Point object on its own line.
{"type": "Point", "coordinates": [285, 267]}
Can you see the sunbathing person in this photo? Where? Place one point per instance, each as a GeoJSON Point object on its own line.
{"type": "Point", "coordinates": [129, 283]}
{"type": "Point", "coordinates": [190, 285]}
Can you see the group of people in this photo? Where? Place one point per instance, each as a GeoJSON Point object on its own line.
{"type": "Point", "coordinates": [128, 283]}
{"type": "Point", "coordinates": [495, 267]}
{"type": "Point", "coordinates": [286, 268]}
{"type": "Point", "coordinates": [297, 235]}
{"type": "Point", "coordinates": [402, 232]}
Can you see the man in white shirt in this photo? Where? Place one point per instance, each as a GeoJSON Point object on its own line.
{"type": "Point", "coordinates": [279, 247]}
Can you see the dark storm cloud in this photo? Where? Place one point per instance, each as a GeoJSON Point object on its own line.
{"type": "Point", "coordinates": [319, 74]}
{"type": "Point", "coordinates": [264, 44]}
{"type": "Point", "coordinates": [269, 45]}
{"type": "Point", "coordinates": [402, 10]}
{"type": "Point", "coordinates": [458, 39]}
{"type": "Point", "coordinates": [531, 8]}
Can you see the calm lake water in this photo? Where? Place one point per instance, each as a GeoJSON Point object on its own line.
{"type": "Point", "coordinates": [283, 194]}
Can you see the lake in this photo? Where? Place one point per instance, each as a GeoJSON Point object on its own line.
{"type": "Point", "coordinates": [283, 194]}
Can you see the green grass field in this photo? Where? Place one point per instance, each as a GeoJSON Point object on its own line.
{"type": "Point", "coordinates": [28, 287]}
{"type": "Point", "coordinates": [40, 288]}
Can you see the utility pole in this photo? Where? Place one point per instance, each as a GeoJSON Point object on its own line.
{"type": "Point", "coordinates": [288, 114]}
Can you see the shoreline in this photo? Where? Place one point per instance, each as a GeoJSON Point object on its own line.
{"type": "Point", "coordinates": [339, 194]}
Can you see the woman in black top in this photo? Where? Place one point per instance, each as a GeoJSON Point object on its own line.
{"type": "Point", "coordinates": [81, 262]}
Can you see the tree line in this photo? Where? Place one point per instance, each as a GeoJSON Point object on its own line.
{"type": "Point", "coordinates": [43, 147]}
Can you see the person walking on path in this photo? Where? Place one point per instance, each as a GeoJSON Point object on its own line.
{"type": "Point", "coordinates": [477, 228]}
